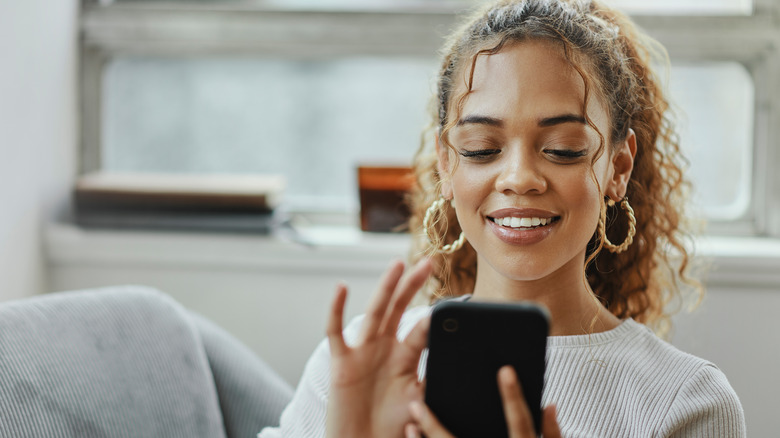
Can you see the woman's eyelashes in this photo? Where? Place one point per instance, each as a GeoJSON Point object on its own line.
{"type": "Point", "coordinates": [483, 154]}
{"type": "Point", "coordinates": [479, 154]}
{"type": "Point", "coordinates": [566, 154]}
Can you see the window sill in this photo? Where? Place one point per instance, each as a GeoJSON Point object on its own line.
{"type": "Point", "coordinates": [315, 249]}
{"type": "Point", "coordinates": [741, 261]}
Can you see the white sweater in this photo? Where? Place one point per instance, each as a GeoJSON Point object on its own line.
{"type": "Point", "coordinates": [625, 382]}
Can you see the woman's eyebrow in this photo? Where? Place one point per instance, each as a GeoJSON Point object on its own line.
{"type": "Point", "coordinates": [564, 118]}
{"type": "Point", "coordinates": [477, 119]}
{"type": "Point", "coordinates": [481, 120]}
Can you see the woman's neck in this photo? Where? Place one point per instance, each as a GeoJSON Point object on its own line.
{"type": "Point", "coordinates": [573, 308]}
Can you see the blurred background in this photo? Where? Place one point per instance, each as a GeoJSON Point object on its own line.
{"type": "Point", "coordinates": [305, 92]}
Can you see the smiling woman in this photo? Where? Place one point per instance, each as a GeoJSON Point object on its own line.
{"type": "Point", "coordinates": [550, 140]}
{"type": "Point", "coordinates": [558, 103]}
{"type": "Point", "coordinates": [528, 154]}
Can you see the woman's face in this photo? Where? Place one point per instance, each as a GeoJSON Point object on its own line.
{"type": "Point", "coordinates": [523, 187]}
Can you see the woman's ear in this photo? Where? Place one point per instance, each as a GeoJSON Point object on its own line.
{"type": "Point", "coordinates": [443, 166]}
{"type": "Point", "coordinates": [622, 166]}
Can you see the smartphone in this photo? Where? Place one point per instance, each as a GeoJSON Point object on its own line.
{"type": "Point", "coordinates": [468, 343]}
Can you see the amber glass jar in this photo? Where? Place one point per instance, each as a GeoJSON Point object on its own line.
{"type": "Point", "coordinates": [383, 197]}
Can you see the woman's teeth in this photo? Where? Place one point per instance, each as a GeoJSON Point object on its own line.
{"type": "Point", "coordinates": [522, 222]}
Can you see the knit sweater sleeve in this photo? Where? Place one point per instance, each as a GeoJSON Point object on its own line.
{"type": "Point", "coordinates": [705, 406]}
{"type": "Point", "coordinates": [304, 416]}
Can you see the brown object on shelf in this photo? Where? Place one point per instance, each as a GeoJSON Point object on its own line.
{"type": "Point", "coordinates": [383, 191]}
{"type": "Point", "coordinates": [178, 192]}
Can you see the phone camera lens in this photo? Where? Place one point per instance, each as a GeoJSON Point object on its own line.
{"type": "Point", "coordinates": [450, 325]}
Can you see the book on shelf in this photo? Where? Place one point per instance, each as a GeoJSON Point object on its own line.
{"type": "Point", "coordinates": [178, 201]}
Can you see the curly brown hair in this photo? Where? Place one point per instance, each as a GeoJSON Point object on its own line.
{"type": "Point", "coordinates": [613, 58]}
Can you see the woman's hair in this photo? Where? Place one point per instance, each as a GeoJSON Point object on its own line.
{"type": "Point", "coordinates": [612, 57]}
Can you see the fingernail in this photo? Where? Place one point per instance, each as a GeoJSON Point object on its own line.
{"type": "Point", "coordinates": [507, 375]}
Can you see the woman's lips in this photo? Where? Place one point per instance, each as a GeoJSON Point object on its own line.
{"type": "Point", "coordinates": [522, 226]}
{"type": "Point", "coordinates": [522, 212]}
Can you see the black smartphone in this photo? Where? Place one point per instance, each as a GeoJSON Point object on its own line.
{"type": "Point", "coordinates": [468, 343]}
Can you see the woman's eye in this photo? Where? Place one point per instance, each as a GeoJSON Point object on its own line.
{"type": "Point", "coordinates": [567, 154]}
{"type": "Point", "coordinates": [479, 154]}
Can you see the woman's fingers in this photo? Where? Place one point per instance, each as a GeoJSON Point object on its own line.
{"type": "Point", "coordinates": [375, 313]}
{"type": "Point", "coordinates": [403, 295]}
{"type": "Point", "coordinates": [417, 339]}
{"type": "Point", "coordinates": [334, 329]}
{"type": "Point", "coordinates": [550, 427]}
{"type": "Point", "coordinates": [427, 422]}
{"type": "Point", "coordinates": [518, 417]}
{"type": "Point", "coordinates": [412, 431]}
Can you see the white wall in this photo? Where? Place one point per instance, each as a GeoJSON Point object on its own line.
{"type": "Point", "coordinates": [37, 132]}
{"type": "Point", "coordinates": [271, 294]}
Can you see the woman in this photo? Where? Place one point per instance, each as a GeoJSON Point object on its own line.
{"type": "Point", "coordinates": [548, 121]}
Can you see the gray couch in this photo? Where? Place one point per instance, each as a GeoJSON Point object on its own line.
{"type": "Point", "coordinates": [127, 362]}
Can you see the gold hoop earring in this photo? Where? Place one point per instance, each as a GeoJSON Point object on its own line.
{"type": "Point", "coordinates": [617, 249]}
{"type": "Point", "coordinates": [429, 213]}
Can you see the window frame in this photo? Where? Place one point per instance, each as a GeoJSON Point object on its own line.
{"type": "Point", "coordinates": [417, 28]}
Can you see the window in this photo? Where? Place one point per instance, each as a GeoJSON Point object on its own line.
{"type": "Point", "coordinates": [228, 86]}
{"type": "Point", "coordinates": [715, 123]}
{"type": "Point", "coordinates": [312, 120]}
{"type": "Point", "coordinates": [684, 7]}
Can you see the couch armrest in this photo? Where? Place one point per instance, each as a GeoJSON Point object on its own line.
{"type": "Point", "coordinates": [251, 395]}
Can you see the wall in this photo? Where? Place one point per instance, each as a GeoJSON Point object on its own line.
{"type": "Point", "coordinates": [271, 294]}
{"type": "Point", "coordinates": [37, 133]}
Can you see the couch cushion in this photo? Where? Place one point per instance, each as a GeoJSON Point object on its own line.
{"type": "Point", "coordinates": [251, 394]}
{"type": "Point", "coordinates": [118, 362]}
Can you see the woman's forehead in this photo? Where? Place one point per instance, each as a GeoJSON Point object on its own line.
{"type": "Point", "coordinates": [530, 79]}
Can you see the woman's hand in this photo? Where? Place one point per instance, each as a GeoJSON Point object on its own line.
{"type": "Point", "coordinates": [373, 381]}
{"type": "Point", "coordinates": [518, 417]}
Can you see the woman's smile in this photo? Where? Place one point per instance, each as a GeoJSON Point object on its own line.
{"type": "Point", "coordinates": [522, 226]}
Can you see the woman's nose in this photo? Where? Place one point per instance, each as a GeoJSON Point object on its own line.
{"type": "Point", "coordinates": [521, 175]}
